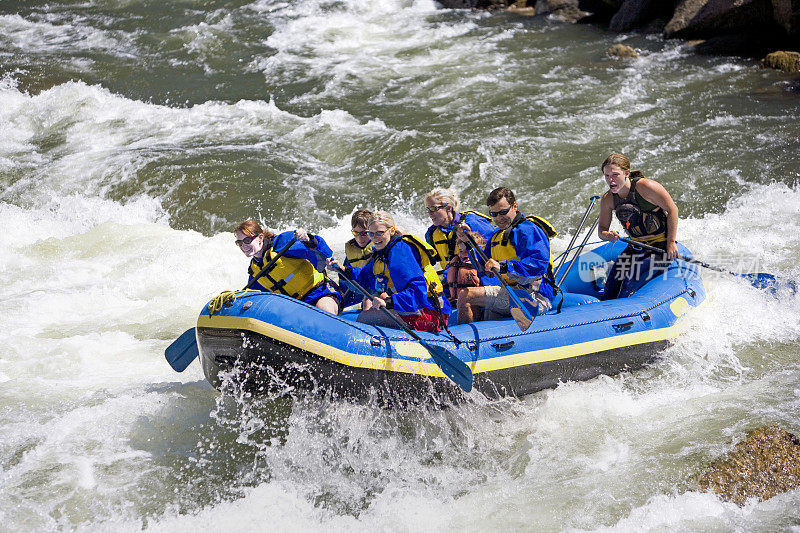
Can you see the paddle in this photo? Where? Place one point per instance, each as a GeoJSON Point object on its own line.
{"type": "Point", "coordinates": [453, 367]}
{"type": "Point", "coordinates": [578, 251]}
{"type": "Point", "coordinates": [184, 349]}
{"type": "Point", "coordinates": [521, 315]}
{"type": "Point", "coordinates": [760, 280]}
{"type": "Point", "coordinates": [592, 201]}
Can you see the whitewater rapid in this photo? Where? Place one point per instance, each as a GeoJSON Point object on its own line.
{"type": "Point", "coordinates": [132, 138]}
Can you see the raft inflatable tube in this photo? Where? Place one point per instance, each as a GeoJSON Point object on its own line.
{"type": "Point", "coordinates": [270, 343]}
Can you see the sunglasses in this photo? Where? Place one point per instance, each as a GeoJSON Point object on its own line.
{"type": "Point", "coordinates": [500, 213]}
{"type": "Point", "coordinates": [246, 240]}
{"type": "Point", "coordinates": [360, 233]}
{"type": "Point", "coordinates": [378, 234]}
{"type": "Point", "coordinates": [435, 208]}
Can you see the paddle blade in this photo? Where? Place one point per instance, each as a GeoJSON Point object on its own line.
{"type": "Point", "coordinates": [452, 366]}
{"type": "Point", "coordinates": [769, 282]}
{"type": "Point", "coordinates": [520, 318]}
{"type": "Point", "coordinates": [182, 351]}
{"type": "Point", "coordinates": [523, 308]}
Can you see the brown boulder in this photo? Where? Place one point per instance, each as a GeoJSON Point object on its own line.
{"type": "Point", "coordinates": [622, 51]}
{"type": "Point", "coordinates": [703, 18]}
{"type": "Point", "coordinates": [566, 10]}
{"type": "Point", "coordinates": [785, 61]}
{"type": "Point", "coordinates": [764, 464]}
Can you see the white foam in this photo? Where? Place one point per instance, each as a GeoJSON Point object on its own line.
{"type": "Point", "coordinates": [689, 510]}
{"type": "Point", "coordinates": [45, 37]}
{"type": "Point", "coordinates": [107, 138]}
{"type": "Point", "coordinates": [372, 42]}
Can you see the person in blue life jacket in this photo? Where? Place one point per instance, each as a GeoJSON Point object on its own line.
{"type": "Point", "coordinates": [520, 250]}
{"type": "Point", "coordinates": [357, 253]}
{"type": "Point", "coordinates": [402, 277]}
{"type": "Point", "coordinates": [298, 273]}
{"type": "Point", "coordinates": [649, 215]}
{"type": "Point", "coordinates": [442, 206]}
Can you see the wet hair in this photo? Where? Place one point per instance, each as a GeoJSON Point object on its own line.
{"type": "Point", "coordinates": [251, 228]}
{"type": "Point", "coordinates": [622, 162]}
{"type": "Point", "coordinates": [360, 218]}
{"type": "Point", "coordinates": [444, 197]}
{"type": "Point", "coordinates": [500, 193]}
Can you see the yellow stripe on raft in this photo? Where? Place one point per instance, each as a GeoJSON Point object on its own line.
{"type": "Point", "coordinates": [413, 349]}
{"type": "Point", "coordinates": [320, 348]}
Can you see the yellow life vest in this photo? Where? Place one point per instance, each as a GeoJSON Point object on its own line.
{"type": "Point", "coordinates": [291, 276]}
{"type": "Point", "coordinates": [502, 249]}
{"type": "Point", "coordinates": [445, 242]}
{"type": "Point", "coordinates": [357, 256]}
{"type": "Point", "coordinates": [427, 256]}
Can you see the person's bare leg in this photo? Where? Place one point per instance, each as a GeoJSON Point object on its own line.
{"type": "Point", "coordinates": [329, 304]}
{"type": "Point", "coordinates": [467, 298]}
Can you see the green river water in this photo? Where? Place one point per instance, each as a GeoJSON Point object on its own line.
{"type": "Point", "coordinates": [135, 133]}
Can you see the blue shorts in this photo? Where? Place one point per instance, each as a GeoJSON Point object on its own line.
{"type": "Point", "coordinates": [322, 290]}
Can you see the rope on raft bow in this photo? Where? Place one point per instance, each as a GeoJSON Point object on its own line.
{"type": "Point", "coordinates": [225, 299]}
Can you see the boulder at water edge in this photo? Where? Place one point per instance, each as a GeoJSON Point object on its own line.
{"type": "Point", "coordinates": [701, 18]}
{"type": "Point", "coordinates": [785, 61]}
{"type": "Point", "coordinates": [622, 51]}
{"type": "Point", "coordinates": [634, 14]}
{"type": "Point", "coordinates": [765, 463]}
{"type": "Point", "coordinates": [566, 10]}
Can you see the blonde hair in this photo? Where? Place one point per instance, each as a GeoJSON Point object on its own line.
{"type": "Point", "coordinates": [622, 162]}
{"type": "Point", "coordinates": [381, 217]}
{"type": "Point", "coordinates": [251, 228]}
{"type": "Point", "coordinates": [444, 196]}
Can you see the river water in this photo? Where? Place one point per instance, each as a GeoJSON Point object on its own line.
{"type": "Point", "coordinates": [135, 133]}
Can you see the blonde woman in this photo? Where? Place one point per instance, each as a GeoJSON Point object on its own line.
{"type": "Point", "coordinates": [401, 275]}
{"type": "Point", "coordinates": [442, 206]}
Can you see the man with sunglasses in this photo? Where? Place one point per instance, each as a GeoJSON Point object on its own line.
{"type": "Point", "coordinates": [297, 273]}
{"type": "Point", "coordinates": [520, 251]}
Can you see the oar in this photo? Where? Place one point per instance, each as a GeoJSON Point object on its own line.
{"type": "Point", "coordinates": [592, 201]}
{"type": "Point", "coordinates": [760, 280]}
{"type": "Point", "coordinates": [453, 367]}
{"type": "Point", "coordinates": [183, 350]}
{"type": "Point", "coordinates": [578, 251]}
{"type": "Point", "coordinates": [521, 315]}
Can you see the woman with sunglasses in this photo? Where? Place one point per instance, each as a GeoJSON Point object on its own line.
{"type": "Point", "coordinates": [401, 275]}
{"type": "Point", "coordinates": [649, 215]}
{"type": "Point", "coordinates": [298, 273]}
{"type": "Point", "coordinates": [442, 207]}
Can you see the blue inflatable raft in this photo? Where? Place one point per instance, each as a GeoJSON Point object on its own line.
{"type": "Point", "coordinates": [272, 343]}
